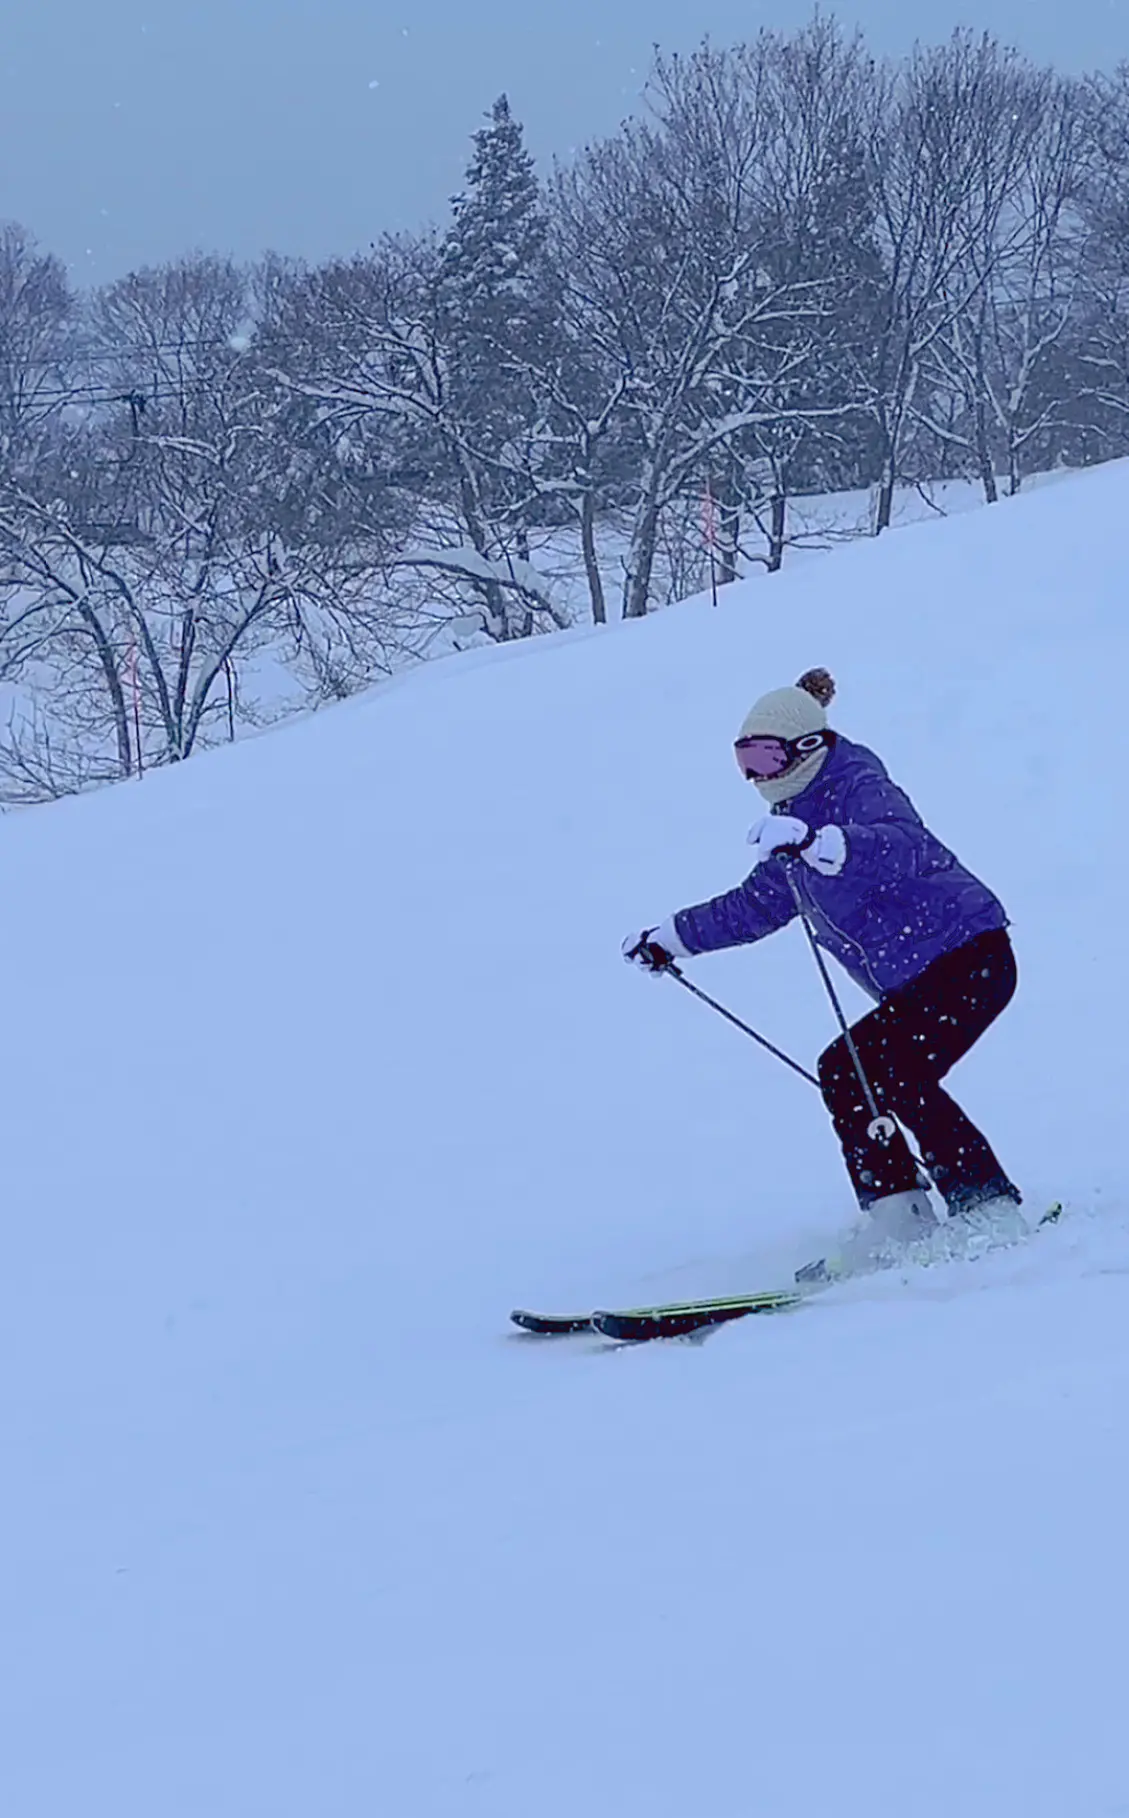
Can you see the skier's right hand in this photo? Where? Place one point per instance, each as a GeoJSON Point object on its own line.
{"type": "Point", "coordinates": [643, 950]}
{"type": "Point", "coordinates": [655, 948]}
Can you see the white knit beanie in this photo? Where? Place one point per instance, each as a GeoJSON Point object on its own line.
{"type": "Point", "coordinates": [788, 713]}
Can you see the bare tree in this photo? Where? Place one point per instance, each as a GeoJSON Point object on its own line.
{"type": "Point", "coordinates": [378, 368]}
{"type": "Point", "coordinates": [1023, 239]}
{"type": "Point", "coordinates": [814, 191]}
{"type": "Point", "coordinates": [157, 560]}
{"type": "Point", "coordinates": [1099, 368]}
{"type": "Point", "coordinates": [943, 174]}
{"type": "Point", "coordinates": [674, 262]}
{"type": "Point", "coordinates": [39, 318]}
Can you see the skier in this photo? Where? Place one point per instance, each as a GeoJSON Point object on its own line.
{"type": "Point", "coordinates": [907, 921]}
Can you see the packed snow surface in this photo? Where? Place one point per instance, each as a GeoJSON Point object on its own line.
{"type": "Point", "coordinates": [320, 1055]}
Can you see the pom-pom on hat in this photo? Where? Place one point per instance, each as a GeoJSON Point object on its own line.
{"type": "Point", "coordinates": [789, 713]}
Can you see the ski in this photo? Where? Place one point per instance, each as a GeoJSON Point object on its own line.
{"type": "Point", "coordinates": [638, 1324]}
{"type": "Point", "coordinates": [672, 1320]}
{"type": "Point", "coordinates": [551, 1325]}
{"type": "Point", "coordinates": [676, 1319]}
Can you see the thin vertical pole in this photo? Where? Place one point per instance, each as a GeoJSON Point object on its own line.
{"type": "Point", "coordinates": [136, 685]}
{"type": "Point", "coordinates": [709, 526]}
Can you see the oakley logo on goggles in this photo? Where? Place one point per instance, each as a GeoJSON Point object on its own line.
{"type": "Point", "coordinates": [765, 757]}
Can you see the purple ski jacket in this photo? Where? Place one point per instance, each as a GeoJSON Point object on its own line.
{"type": "Point", "coordinates": [901, 900]}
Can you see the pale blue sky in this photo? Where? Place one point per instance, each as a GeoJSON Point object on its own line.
{"type": "Point", "coordinates": [132, 130]}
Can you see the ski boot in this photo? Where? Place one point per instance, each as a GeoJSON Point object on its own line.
{"type": "Point", "coordinates": [880, 1241]}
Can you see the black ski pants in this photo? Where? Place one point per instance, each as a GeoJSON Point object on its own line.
{"type": "Point", "coordinates": [906, 1046]}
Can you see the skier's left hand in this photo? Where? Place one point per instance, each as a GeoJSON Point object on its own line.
{"type": "Point", "coordinates": [825, 850]}
{"type": "Point", "coordinates": [775, 831]}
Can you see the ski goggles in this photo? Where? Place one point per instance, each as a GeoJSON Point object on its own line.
{"type": "Point", "coordinates": [761, 757]}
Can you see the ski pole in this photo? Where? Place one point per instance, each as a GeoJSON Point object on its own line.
{"type": "Point", "coordinates": [672, 971]}
{"type": "Point", "coordinates": [882, 1129]}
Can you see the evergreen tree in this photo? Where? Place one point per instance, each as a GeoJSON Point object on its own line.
{"type": "Point", "coordinates": [495, 322]}
{"type": "Point", "coordinates": [493, 284]}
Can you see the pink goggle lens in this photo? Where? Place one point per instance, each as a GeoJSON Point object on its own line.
{"type": "Point", "coordinates": [762, 757]}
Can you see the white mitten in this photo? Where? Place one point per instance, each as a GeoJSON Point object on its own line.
{"type": "Point", "coordinates": [827, 853]}
{"type": "Point", "coordinates": [654, 948]}
{"type": "Point", "coordinates": [774, 831]}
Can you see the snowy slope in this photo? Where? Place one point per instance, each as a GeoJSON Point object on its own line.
{"type": "Point", "coordinates": [320, 1055]}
